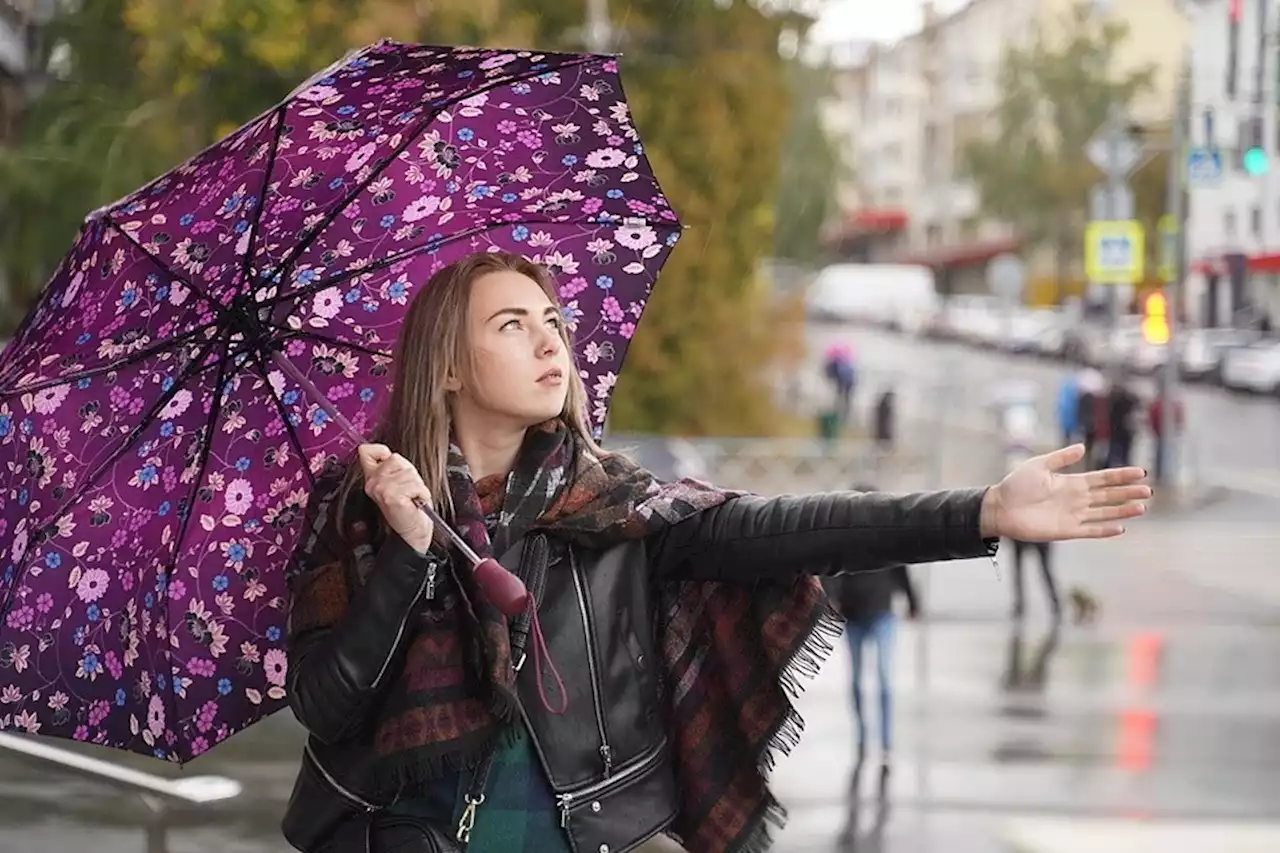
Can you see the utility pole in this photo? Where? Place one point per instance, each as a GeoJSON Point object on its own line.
{"type": "Point", "coordinates": [1115, 179]}
{"type": "Point", "coordinates": [1176, 207]}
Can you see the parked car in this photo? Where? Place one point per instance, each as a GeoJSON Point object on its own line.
{"type": "Point", "coordinates": [1254, 368]}
{"type": "Point", "coordinates": [1200, 359]}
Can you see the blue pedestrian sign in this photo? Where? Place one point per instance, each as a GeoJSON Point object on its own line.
{"type": "Point", "coordinates": [1204, 167]}
{"type": "Point", "coordinates": [1114, 252]}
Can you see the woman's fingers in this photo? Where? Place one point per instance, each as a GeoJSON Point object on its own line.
{"type": "Point", "coordinates": [1114, 477]}
{"type": "Point", "coordinates": [1112, 495]}
{"type": "Point", "coordinates": [1115, 512]}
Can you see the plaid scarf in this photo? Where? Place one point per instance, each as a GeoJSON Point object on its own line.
{"type": "Point", "coordinates": [730, 653]}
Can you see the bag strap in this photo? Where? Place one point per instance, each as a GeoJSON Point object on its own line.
{"type": "Point", "coordinates": [533, 571]}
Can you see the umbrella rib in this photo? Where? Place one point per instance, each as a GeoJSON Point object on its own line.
{"type": "Point", "coordinates": [303, 333]}
{"type": "Point", "coordinates": [191, 372]}
{"type": "Point", "coordinates": [247, 267]}
{"type": "Point", "coordinates": [346, 274]}
{"type": "Point", "coordinates": [260, 364]}
{"type": "Point", "coordinates": [215, 411]}
{"type": "Point", "coordinates": [409, 137]}
{"type": "Point", "coordinates": [213, 303]}
{"type": "Point", "coordinates": [141, 354]}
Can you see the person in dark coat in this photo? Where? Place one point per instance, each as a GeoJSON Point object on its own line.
{"type": "Point", "coordinates": [865, 600]}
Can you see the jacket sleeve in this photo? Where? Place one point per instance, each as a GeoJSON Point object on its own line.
{"type": "Point", "coordinates": [335, 674]}
{"type": "Point", "coordinates": [751, 539]}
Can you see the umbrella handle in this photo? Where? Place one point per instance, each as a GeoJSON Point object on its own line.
{"type": "Point", "coordinates": [504, 590]}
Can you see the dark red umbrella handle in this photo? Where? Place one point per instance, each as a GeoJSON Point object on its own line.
{"type": "Point", "coordinates": [504, 590]}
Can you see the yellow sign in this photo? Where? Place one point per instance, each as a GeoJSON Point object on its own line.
{"type": "Point", "coordinates": [1114, 252]}
{"type": "Point", "coordinates": [1168, 265]}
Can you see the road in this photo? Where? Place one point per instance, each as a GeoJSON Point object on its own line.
{"type": "Point", "coordinates": [1232, 438]}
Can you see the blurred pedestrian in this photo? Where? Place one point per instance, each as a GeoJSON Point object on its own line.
{"type": "Point", "coordinates": [840, 370]}
{"type": "Point", "coordinates": [1158, 423]}
{"type": "Point", "coordinates": [865, 600]}
{"type": "Point", "coordinates": [886, 419]}
{"type": "Point", "coordinates": [1091, 417]}
{"type": "Point", "coordinates": [1069, 407]}
{"type": "Point", "coordinates": [1019, 446]}
{"type": "Point", "coordinates": [1122, 420]}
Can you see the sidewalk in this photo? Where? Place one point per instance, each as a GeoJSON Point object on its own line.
{"type": "Point", "coordinates": [1058, 835]}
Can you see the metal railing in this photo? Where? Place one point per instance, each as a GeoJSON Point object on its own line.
{"type": "Point", "coordinates": [157, 793]}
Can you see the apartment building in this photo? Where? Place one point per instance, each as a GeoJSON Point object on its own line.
{"type": "Point", "coordinates": [907, 113]}
{"type": "Point", "coordinates": [1233, 231]}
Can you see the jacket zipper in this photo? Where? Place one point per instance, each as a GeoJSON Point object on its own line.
{"type": "Point", "coordinates": [579, 585]}
{"type": "Point", "coordinates": [428, 586]}
{"type": "Point", "coordinates": [626, 774]}
{"type": "Point", "coordinates": [336, 785]}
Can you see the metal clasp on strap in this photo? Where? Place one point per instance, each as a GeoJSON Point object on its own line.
{"type": "Point", "coordinates": [468, 821]}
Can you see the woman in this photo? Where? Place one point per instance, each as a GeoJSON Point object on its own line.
{"type": "Point", "coordinates": [677, 614]}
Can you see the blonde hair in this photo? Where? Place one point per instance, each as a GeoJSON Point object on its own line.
{"type": "Point", "coordinates": [434, 345]}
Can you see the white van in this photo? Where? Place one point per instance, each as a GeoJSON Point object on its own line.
{"type": "Point", "coordinates": [898, 296]}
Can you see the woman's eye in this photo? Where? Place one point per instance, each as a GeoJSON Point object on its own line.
{"type": "Point", "coordinates": [511, 324]}
{"type": "Point", "coordinates": [556, 322]}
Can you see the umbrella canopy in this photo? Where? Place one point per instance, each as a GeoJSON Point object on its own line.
{"type": "Point", "coordinates": [157, 456]}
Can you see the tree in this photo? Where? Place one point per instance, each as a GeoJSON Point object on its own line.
{"type": "Point", "coordinates": [812, 168]}
{"type": "Point", "coordinates": [1032, 172]}
{"type": "Point", "coordinates": [152, 81]}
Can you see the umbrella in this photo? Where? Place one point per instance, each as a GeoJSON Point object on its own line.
{"type": "Point", "coordinates": [213, 339]}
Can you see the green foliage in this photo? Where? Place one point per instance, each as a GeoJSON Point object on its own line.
{"type": "Point", "coordinates": [1055, 94]}
{"type": "Point", "coordinates": [812, 169]}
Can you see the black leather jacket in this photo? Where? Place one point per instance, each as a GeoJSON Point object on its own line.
{"type": "Point", "coordinates": [607, 756]}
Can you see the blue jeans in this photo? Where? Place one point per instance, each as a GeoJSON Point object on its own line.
{"type": "Point", "coordinates": [879, 630]}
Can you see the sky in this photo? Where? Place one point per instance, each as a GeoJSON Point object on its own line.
{"type": "Point", "coordinates": [877, 20]}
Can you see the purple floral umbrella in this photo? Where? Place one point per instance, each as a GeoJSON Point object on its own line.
{"type": "Point", "coordinates": [159, 428]}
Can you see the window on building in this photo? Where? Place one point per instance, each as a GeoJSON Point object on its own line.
{"type": "Point", "coordinates": [1255, 221]}
{"type": "Point", "coordinates": [1229, 223]}
{"type": "Point", "coordinates": [892, 196]}
{"type": "Point", "coordinates": [932, 236]}
{"type": "Point", "coordinates": [969, 227]}
{"type": "Point", "coordinates": [1233, 45]}
{"type": "Point", "coordinates": [1210, 133]}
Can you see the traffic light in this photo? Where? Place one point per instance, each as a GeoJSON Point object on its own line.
{"type": "Point", "coordinates": [1254, 160]}
{"type": "Point", "coordinates": [1155, 319]}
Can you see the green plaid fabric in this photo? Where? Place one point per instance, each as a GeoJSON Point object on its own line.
{"type": "Point", "coordinates": [519, 814]}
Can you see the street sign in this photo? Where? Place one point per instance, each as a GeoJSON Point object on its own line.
{"type": "Point", "coordinates": [1006, 276]}
{"type": "Point", "coordinates": [1114, 252]}
{"type": "Point", "coordinates": [1204, 167]}
{"type": "Point", "coordinates": [1127, 155]}
{"type": "Point", "coordinates": [1167, 268]}
{"type": "Point", "coordinates": [1098, 202]}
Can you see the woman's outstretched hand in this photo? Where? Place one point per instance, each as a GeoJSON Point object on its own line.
{"type": "Point", "coordinates": [1038, 502]}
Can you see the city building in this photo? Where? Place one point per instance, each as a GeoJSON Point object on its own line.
{"type": "Point", "coordinates": [908, 111]}
{"type": "Point", "coordinates": [1233, 229]}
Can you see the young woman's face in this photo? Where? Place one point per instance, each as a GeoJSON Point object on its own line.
{"type": "Point", "coordinates": [520, 365]}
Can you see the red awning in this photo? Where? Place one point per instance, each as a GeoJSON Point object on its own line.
{"type": "Point", "coordinates": [877, 219]}
{"type": "Point", "coordinates": [964, 255]}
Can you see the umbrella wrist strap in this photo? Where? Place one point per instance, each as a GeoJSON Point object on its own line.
{"type": "Point", "coordinates": [535, 578]}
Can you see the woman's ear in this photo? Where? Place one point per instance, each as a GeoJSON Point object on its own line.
{"type": "Point", "coordinates": [452, 384]}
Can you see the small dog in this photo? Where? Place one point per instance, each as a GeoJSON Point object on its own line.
{"type": "Point", "coordinates": [1084, 606]}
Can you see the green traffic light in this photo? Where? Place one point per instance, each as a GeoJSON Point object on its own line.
{"type": "Point", "coordinates": [1256, 162]}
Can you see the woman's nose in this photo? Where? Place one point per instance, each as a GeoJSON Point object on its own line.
{"type": "Point", "coordinates": [550, 343]}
